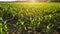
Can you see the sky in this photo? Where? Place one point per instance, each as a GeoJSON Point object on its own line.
{"type": "Point", "coordinates": [24, 0]}
{"type": "Point", "coordinates": [17, 0]}
{"type": "Point", "coordinates": [7, 0]}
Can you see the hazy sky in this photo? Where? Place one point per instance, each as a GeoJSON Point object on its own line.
{"type": "Point", "coordinates": [7, 0]}
{"type": "Point", "coordinates": [16, 0]}
{"type": "Point", "coordinates": [23, 0]}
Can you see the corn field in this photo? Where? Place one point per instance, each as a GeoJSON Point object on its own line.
{"type": "Point", "coordinates": [29, 18]}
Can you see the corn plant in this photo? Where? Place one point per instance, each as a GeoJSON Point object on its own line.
{"type": "Point", "coordinates": [1, 25]}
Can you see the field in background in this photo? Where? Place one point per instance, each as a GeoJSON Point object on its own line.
{"type": "Point", "coordinates": [30, 17]}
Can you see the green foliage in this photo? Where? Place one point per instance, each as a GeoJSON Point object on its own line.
{"type": "Point", "coordinates": [48, 28]}
{"type": "Point", "coordinates": [0, 28]}
{"type": "Point", "coordinates": [43, 16]}
{"type": "Point", "coordinates": [1, 25]}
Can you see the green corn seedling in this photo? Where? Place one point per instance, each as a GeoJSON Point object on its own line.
{"type": "Point", "coordinates": [49, 28]}
{"type": "Point", "coordinates": [1, 25]}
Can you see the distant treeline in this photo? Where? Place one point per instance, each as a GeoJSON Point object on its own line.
{"type": "Point", "coordinates": [56, 0]}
